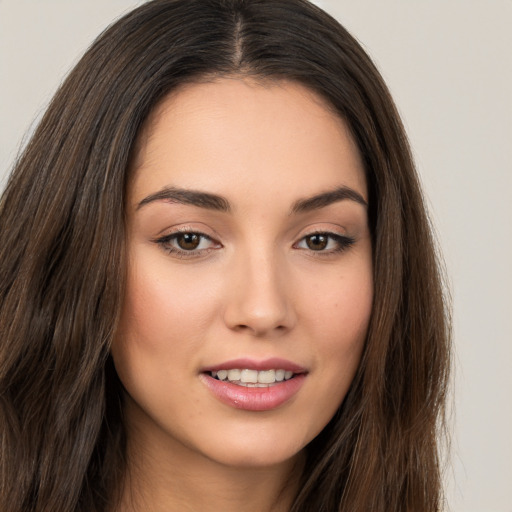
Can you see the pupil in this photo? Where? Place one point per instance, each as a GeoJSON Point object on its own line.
{"type": "Point", "coordinates": [188, 241]}
{"type": "Point", "coordinates": [317, 242]}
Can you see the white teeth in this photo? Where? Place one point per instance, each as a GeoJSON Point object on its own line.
{"type": "Point", "coordinates": [252, 378]}
{"type": "Point", "coordinates": [222, 374]}
{"type": "Point", "coordinates": [280, 375]}
{"type": "Point", "coordinates": [267, 377]}
{"type": "Point", "coordinates": [234, 374]}
{"type": "Point", "coordinates": [249, 376]}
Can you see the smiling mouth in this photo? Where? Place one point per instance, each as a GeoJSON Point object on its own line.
{"type": "Point", "coordinates": [252, 378]}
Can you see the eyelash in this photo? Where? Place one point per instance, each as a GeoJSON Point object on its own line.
{"type": "Point", "coordinates": [342, 242]}
{"type": "Point", "coordinates": [166, 240]}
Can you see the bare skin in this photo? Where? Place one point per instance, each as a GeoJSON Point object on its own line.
{"type": "Point", "coordinates": [249, 248]}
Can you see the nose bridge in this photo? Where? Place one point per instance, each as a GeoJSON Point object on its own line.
{"type": "Point", "coordinates": [259, 301]}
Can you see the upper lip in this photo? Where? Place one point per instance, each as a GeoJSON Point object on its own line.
{"type": "Point", "coordinates": [273, 363]}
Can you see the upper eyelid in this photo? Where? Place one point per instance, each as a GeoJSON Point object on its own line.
{"type": "Point", "coordinates": [335, 233]}
{"type": "Point", "coordinates": [168, 232]}
{"type": "Point", "coordinates": [322, 232]}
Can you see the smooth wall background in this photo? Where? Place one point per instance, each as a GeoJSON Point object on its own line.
{"type": "Point", "coordinates": [448, 64]}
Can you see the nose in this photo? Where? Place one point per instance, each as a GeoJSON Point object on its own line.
{"type": "Point", "coordinates": [259, 300]}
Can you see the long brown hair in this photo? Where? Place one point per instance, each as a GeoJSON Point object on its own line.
{"type": "Point", "coordinates": [62, 264]}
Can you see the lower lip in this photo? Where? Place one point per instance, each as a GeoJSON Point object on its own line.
{"type": "Point", "coordinates": [254, 399]}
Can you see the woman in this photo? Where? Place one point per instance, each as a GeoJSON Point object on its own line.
{"type": "Point", "coordinates": [219, 287]}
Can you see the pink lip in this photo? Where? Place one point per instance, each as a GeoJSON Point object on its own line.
{"type": "Point", "coordinates": [255, 399]}
{"type": "Point", "coordinates": [273, 363]}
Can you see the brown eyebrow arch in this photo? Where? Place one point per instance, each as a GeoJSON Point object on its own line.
{"type": "Point", "coordinates": [327, 198]}
{"type": "Point", "coordinates": [186, 196]}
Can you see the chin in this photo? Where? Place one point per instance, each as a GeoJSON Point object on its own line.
{"type": "Point", "coordinates": [255, 446]}
{"type": "Point", "coordinates": [249, 457]}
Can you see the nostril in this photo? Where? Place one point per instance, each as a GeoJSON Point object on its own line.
{"type": "Point", "coordinates": [259, 330]}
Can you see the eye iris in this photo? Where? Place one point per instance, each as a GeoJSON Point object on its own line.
{"type": "Point", "coordinates": [317, 242]}
{"type": "Point", "coordinates": [188, 241]}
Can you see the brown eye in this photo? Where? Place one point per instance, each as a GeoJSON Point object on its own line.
{"type": "Point", "coordinates": [317, 242]}
{"type": "Point", "coordinates": [187, 244]}
{"type": "Point", "coordinates": [188, 241]}
{"type": "Point", "coordinates": [325, 243]}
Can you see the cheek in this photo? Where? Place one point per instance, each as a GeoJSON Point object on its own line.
{"type": "Point", "coordinates": [160, 332]}
{"type": "Point", "coordinates": [340, 305]}
{"type": "Point", "coordinates": [161, 308]}
{"type": "Point", "coordinates": [335, 312]}
{"type": "Point", "coordinates": [349, 314]}
{"type": "Point", "coordinates": [340, 310]}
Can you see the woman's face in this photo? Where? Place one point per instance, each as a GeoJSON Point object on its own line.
{"type": "Point", "coordinates": [249, 284]}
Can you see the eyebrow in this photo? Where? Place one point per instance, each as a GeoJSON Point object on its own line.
{"type": "Point", "coordinates": [219, 203]}
{"type": "Point", "coordinates": [327, 198]}
{"type": "Point", "coordinates": [186, 196]}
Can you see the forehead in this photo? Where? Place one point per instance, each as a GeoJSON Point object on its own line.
{"type": "Point", "coordinates": [238, 135]}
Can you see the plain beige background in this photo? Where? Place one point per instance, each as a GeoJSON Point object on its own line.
{"type": "Point", "coordinates": [449, 66]}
